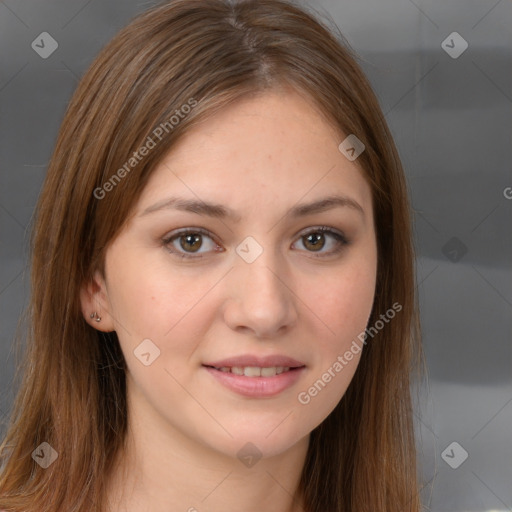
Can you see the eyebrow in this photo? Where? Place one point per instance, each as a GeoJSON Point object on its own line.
{"type": "Point", "coordinates": [221, 211]}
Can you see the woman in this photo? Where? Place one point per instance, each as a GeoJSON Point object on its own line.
{"type": "Point", "coordinates": [222, 311]}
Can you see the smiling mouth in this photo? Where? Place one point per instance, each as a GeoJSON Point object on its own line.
{"type": "Point", "coordinates": [255, 371]}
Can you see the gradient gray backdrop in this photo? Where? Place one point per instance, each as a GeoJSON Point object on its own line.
{"type": "Point", "coordinates": [452, 122]}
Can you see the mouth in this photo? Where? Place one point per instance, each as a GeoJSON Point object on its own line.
{"type": "Point", "coordinates": [256, 381]}
{"type": "Point", "coordinates": [255, 371]}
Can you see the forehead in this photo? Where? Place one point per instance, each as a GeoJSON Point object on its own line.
{"type": "Point", "coordinates": [262, 151]}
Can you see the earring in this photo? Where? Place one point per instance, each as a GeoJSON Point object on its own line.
{"type": "Point", "coordinates": [96, 316]}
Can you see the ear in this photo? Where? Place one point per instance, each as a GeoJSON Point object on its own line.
{"type": "Point", "coordinates": [94, 299]}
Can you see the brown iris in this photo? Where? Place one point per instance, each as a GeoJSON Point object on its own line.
{"type": "Point", "coordinates": [193, 241]}
{"type": "Point", "coordinates": [317, 241]}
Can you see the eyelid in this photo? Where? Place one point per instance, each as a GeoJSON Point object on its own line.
{"type": "Point", "coordinates": [321, 229]}
{"type": "Point", "coordinates": [184, 231]}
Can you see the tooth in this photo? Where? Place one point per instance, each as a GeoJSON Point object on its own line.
{"type": "Point", "coordinates": [268, 372]}
{"type": "Point", "coordinates": [225, 369]}
{"type": "Point", "coordinates": [286, 369]}
{"type": "Point", "coordinates": [279, 370]}
{"type": "Point", "coordinates": [252, 371]}
{"type": "Point", "coordinates": [237, 370]}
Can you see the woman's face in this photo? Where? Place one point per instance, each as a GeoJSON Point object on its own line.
{"type": "Point", "coordinates": [249, 283]}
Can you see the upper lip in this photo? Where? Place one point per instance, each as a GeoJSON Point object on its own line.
{"type": "Point", "coordinates": [258, 361]}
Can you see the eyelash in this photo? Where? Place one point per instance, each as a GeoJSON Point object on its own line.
{"type": "Point", "coordinates": [338, 236]}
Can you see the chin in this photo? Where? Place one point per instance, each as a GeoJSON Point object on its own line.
{"type": "Point", "coordinates": [258, 442]}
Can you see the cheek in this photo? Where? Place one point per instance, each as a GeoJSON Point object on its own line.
{"type": "Point", "coordinates": [156, 301]}
{"type": "Point", "coordinates": [343, 304]}
{"type": "Point", "coordinates": [343, 301]}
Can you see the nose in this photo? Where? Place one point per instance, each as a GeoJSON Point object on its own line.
{"type": "Point", "coordinates": [260, 300]}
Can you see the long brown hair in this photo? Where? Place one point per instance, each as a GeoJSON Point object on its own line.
{"type": "Point", "coordinates": [72, 396]}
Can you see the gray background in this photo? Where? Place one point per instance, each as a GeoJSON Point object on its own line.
{"type": "Point", "coordinates": [452, 122]}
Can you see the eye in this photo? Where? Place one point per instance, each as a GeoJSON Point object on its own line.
{"type": "Point", "coordinates": [187, 242]}
{"type": "Point", "coordinates": [314, 240]}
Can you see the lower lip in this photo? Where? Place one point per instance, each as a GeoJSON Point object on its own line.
{"type": "Point", "coordinates": [257, 387]}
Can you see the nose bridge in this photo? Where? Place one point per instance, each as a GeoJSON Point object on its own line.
{"type": "Point", "coordinates": [261, 299]}
{"type": "Point", "coordinates": [262, 271]}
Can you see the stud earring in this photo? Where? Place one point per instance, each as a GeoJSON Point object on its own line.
{"type": "Point", "coordinates": [96, 316]}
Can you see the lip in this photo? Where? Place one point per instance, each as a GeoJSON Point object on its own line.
{"type": "Point", "coordinates": [253, 360]}
{"type": "Point", "coordinates": [257, 387]}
